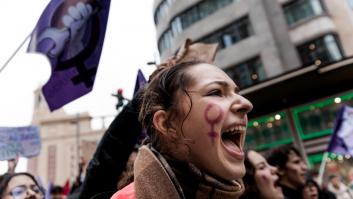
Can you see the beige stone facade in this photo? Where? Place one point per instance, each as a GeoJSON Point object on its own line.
{"type": "Point", "coordinates": [60, 134]}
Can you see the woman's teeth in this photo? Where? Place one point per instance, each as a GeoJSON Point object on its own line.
{"type": "Point", "coordinates": [235, 130]}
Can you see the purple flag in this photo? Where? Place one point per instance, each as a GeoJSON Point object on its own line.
{"type": "Point", "coordinates": [140, 81]}
{"type": "Point", "coordinates": [342, 138]}
{"type": "Point", "coordinates": [71, 34]}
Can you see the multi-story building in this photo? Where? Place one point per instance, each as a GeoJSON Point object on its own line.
{"type": "Point", "coordinates": [66, 141]}
{"type": "Point", "coordinates": [291, 58]}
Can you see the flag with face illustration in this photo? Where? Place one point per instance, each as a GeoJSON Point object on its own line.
{"type": "Point", "coordinates": [70, 33]}
{"type": "Point", "coordinates": [342, 137]}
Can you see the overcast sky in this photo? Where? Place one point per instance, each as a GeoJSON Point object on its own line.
{"type": "Point", "coordinates": [129, 44]}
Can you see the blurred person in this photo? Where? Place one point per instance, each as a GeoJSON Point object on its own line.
{"type": "Point", "coordinates": [110, 159]}
{"type": "Point", "coordinates": [350, 178]}
{"type": "Point", "coordinates": [312, 190]}
{"type": "Point", "coordinates": [57, 192]}
{"type": "Point", "coordinates": [196, 120]}
{"type": "Point", "coordinates": [20, 186]}
{"type": "Point", "coordinates": [291, 170]}
{"type": "Point", "coordinates": [261, 179]}
{"type": "Point", "coordinates": [337, 187]}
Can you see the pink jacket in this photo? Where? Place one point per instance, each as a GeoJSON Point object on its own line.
{"type": "Point", "coordinates": [127, 192]}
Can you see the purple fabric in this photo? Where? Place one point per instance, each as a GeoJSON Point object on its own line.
{"type": "Point", "coordinates": [71, 34]}
{"type": "Point", "coordinates": [140, 81]}
{"type": "Point", "coordinates": [342, 137]}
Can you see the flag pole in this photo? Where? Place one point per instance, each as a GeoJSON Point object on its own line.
{"type": "Point", "coordinates": [322, 168]}
{"type": "Point", "coordinates": [14, 53]}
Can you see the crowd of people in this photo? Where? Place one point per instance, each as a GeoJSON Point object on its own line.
{"type": "Point", "coordinates": [195, 124]}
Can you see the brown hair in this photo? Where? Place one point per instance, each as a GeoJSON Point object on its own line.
{"type": "Point", "coordinates": [251, 189]}
{"type": "Point", "coordinates": [161, 94]}
{"type": "Point", "coordinates": [5, 179]}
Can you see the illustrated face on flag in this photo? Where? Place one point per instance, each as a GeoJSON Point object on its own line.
{"type": "Point", "coordinates": [71, 34]}
{"type": "Point", "coordinates": [342, 137]}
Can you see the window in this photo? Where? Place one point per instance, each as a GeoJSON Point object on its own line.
{"type": "Point", "coordinates": [202, 10]}
{"type": "Point", "coordinates": [268, 131]}
{"type": "Point", "coordinates": [187, 18]}
{"type": "Point", "coordinates": [323, 50]}
{"type": "Point", "coordinates": [300, 10]}
{"type": "Point", "coordinates": [317, 119]}
{"type": "Point", "coordinates": [247, 73]}
{"type": "Point", "coordinates": [162, 10]}
{"type": "Point", "coordinates": [231, 34]}
{"type": "Point", "coordinates": [165, 41]}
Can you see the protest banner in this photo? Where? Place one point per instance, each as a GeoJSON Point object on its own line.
{"type": "Point", "coordinates": [24, 141]}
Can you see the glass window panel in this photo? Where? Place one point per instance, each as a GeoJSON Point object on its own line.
{"type": "Point", "coordinates": [202, 10]}
{"type": "Point", "coordinates": [300, 10]}
{"type": "Point", "coordinates": [247, 73]}
{"type": "Point", "coordinates": [317, 8]}
{"type": "Point", "coordinates": [187, 18]}
{"type": "Point", "coordinates": [319, 118]}
{"type": "Point", "coordinates": [332, 48]}
{"type": "Point", "coordinates": [325, 49]}
{"type": "Point", "coordinates": [227, 40]}
{"type": "Point", "coordinates": [267, 132]}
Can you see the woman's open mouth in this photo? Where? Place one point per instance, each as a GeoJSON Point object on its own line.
{"type": "Point", "coordinates": [233, 140]}
{"type": "Point", "coordinates": [277, 185]}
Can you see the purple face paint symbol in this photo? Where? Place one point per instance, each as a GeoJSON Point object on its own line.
{"type": "Point", "coordinates": [213, 120]}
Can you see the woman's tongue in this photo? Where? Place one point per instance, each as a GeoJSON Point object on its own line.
{"type": "Point", "coordinates": [230, 145]}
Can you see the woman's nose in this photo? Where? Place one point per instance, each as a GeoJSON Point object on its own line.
{"type": "Point", "coordinates": [30, 192]}
{"type": "Point", "coordinates": [241, 104]}
{"type": "Point", "coordinates": [273, 169]}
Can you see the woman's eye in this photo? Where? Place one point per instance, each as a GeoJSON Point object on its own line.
{"type": "Point", "coordinates": [215, 92]}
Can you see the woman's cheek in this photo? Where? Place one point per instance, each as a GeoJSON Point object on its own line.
{"type": "Point", "coordinates": [213, 115]}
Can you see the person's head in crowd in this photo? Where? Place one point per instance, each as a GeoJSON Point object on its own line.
{"type": "Point", "coordinates": [350, 176]}
{"type": "Point", "coordinates": [57, 192]}
{"type": "Point", "coordinates": [311, 190]}
{"type": "Point", "coordinates": [193, 112]}
{"type": "Point", "coordinates": [291, 167]}
{"type": "Point", "coordinates": [20, 186]}
{"type": "Point", "coordinates": [335, 180]}
{"type": "Point", "coordinates": [261, 179]}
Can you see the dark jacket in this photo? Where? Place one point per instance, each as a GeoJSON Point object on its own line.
{"type": "Point", "coordinates": [290, 193]}
{"type": "Point", "coordinates": [112, 153]}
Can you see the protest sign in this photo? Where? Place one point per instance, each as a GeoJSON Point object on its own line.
{"type": "Point", "coordinates": [24, 141]}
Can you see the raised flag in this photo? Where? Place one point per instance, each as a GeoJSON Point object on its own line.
{"type": "Point", "coordinates": [140, 81]}
{"type": "Point", "coordinates": [342, 137]}
{"type": "Point", "coordinates": [71, 34]}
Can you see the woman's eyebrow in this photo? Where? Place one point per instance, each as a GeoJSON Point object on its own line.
{"type": "Point", "coordinates": [224, 84]}
{"type": "Point", "coordinates": [260, 164]}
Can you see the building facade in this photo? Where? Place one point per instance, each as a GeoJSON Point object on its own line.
{"type": "Point", "coordinates": [67, 140]}
{"type": "Point", "coordinates": [274, 50]}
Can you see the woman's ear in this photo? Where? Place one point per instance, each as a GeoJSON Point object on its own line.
{"type": "Point", "coordinates": [160, 119]}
